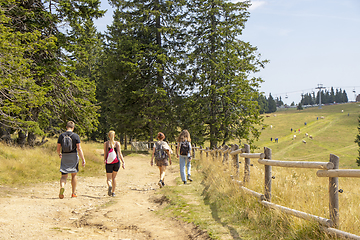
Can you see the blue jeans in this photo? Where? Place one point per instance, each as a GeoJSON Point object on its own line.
{"type": "Point", "coordinates": [184, 160]}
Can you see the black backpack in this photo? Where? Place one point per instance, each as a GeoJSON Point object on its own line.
{"type": "Point", "coordinates": [67, 144]}
{"type": "Point", "coordinates": [184, 148]}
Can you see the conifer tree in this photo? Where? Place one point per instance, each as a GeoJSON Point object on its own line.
{"type": "Point", "coordinates": [263, 104]}
{"type": "Point", "coordinates": [46, 91]}
{"type": "Point", "coordinates": [271, 104]}
{"type": "Point", "coordinates": [220, 64]}
{"type": "Point", "coordinates": [144, 55]}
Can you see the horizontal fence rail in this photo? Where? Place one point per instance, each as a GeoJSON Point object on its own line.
{"type": "Point", "coordinates": [354, 173]}
{"type": "Point", "coordinates": [299, 214]}
{"type": "Point", "coordinates": [327, 169]}
{"type": "Point", "coordinates": [297, 164]}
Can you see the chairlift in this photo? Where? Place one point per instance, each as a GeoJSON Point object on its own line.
{"type": "Point", "coordinates": [286, 96]}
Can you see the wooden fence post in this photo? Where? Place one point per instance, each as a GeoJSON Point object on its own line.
{"type": "Point", "coordinates": [225, 155]}
{"type": "Point", "coordinates": [334, 193]}
{"type": "Point", "coordinates": [267, 192]}
{"type": "Point", "coordinates": [201, 153]}
{"type": "Point", "coordinates": [207, 153]}
{"type": "Point", "coordinates": [247, 164]}
{"type": "Point", "coordinates": [236, 158]}
{"type": "Point", "coordinates": [193, 151]}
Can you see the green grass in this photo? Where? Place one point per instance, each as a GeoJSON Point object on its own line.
{"type": "Point", "coordinates": [335, 134]}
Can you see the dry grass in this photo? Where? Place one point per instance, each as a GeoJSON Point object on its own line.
{"type": "Point", "coordinates": [19, 166]}
{"type": "Point", "coordinates": [299, 189]}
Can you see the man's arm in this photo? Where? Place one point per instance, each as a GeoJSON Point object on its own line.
{"type": "Point", "coordinates": [80, 151]}
{"type": "Point", "coordinates": [58, 149]}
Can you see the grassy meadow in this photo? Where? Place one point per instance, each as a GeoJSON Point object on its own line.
{"type": "Point", "coordinates": [333, 134]}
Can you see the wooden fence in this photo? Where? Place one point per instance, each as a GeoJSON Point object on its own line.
{"type": "Point", "coordinates": [326, 169]}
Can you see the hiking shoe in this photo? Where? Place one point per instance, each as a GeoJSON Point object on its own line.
{"type": "Point", "coordinates": [113, 194]}
{"type": "Point", "coordinates": [160, 183]}
{"type": "Point", "coordinates": [163, 184]}
{"type": "Point", "coordinates": [184, 182]}
{"type": "Point", "coordinates": [189, 178]}
{"type": "Point", "coordinates": [109, 191]}
{"type": "Point", "coordinates": [73, 195]}
{"type": "Point", "coordinates": [61, 194]}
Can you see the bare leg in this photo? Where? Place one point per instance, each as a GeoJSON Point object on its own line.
{"type": "Point", "coordinates": [109, 179]}
{"type": "Point", "coordinates": [63, 180]}
{"type": "Point", "coordinates": [62, 185]}
{"type": "Point", "coordinates": [113, 181]}
{"type": "Point", "coordinates": [162, 172]}
{"type": "Point", "coordinates": [109, 182]}
{"type": "Point", "coordinates": [73, 182]}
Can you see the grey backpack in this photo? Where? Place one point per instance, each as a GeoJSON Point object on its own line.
{"type": "Point", "coordinates": [67, 144]}
{"type": "Point", "coordinates": [160, 153]}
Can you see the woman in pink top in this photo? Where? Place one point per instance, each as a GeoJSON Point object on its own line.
{"type": "Point", "coordinates": [112, 153]}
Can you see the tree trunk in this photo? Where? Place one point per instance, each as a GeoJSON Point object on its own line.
{"type": "Point", "coordinates": [5, 135]}
{"type": "Point", "coordinates": [21, 139]}
{"type": "Point", "coordinates": [31, 139]}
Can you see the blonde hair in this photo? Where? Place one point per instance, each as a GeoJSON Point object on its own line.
{"type": "Point", "coordinates": [111, 136]}
{"type": "Point", "coordinates": [184, 135]}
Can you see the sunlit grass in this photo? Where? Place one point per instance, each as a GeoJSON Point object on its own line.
{"type": "Point", "coordinates": [333, 134]}
{"type": "Point", "coordinates": [299, 189]}
{"type": "Point", "coordinates": [19, 166]}
{"type": "Point", "coordinates": [290, 189]}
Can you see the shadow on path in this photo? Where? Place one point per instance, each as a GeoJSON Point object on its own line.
{"type": "Point", "coordinates": [215, 215]}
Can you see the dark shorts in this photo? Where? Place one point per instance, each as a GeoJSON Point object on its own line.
{"type": "Point", "coordinates": [163, 162]}
{"type": "Point", "coordinates": [112, 167]}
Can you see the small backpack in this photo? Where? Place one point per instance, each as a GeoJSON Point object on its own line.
{"type": "Point", "coordinates": [67, 144]}
{"type": "Point", "coordinates": [160, 153]}
{"type": "Point", "coordinates": [184, 148]}
{"type": "Point", "coordinates": [111, 156]}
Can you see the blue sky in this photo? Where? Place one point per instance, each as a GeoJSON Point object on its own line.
{"type": "Point", "coordinates": [308, 42]}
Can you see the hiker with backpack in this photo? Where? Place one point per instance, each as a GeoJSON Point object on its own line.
{"type": "Point", "coordinates": [162, 155]}
{"type": "Point", "coordinates": [183, 152]}
{"type": "Point", "coordinates": [112, 155]}
{"type": "Point", "coordinates": [68, 148]}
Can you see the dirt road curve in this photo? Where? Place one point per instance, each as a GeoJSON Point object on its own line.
{"type": "Point", "coordinates": [37, 213]}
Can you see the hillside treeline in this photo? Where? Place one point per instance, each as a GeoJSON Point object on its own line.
{"type": "Point", "coordinates": [160, 66]}
{"type": "Point", "coordinates": [337, 96]}
{"type": "Point", "coordinates": [269, 104]}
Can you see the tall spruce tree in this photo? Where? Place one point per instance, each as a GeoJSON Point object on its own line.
{"type": "Point", "coordinates": [220, 64]}
{"type": "Point", "coordinates": [77, 46]}
{"type": "Point", "coordinates": [29, 44]}
{"type": "Point", "coordinates": [47, 90]}
{"type": "Point", "coordinates": [143, 60]}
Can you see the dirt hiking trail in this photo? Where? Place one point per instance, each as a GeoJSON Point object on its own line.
{"type": "Point", "coordinates": [36, 212]}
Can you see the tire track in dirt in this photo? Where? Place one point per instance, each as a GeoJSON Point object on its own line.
{"type": "Point", "coordinates": [36, 212]}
